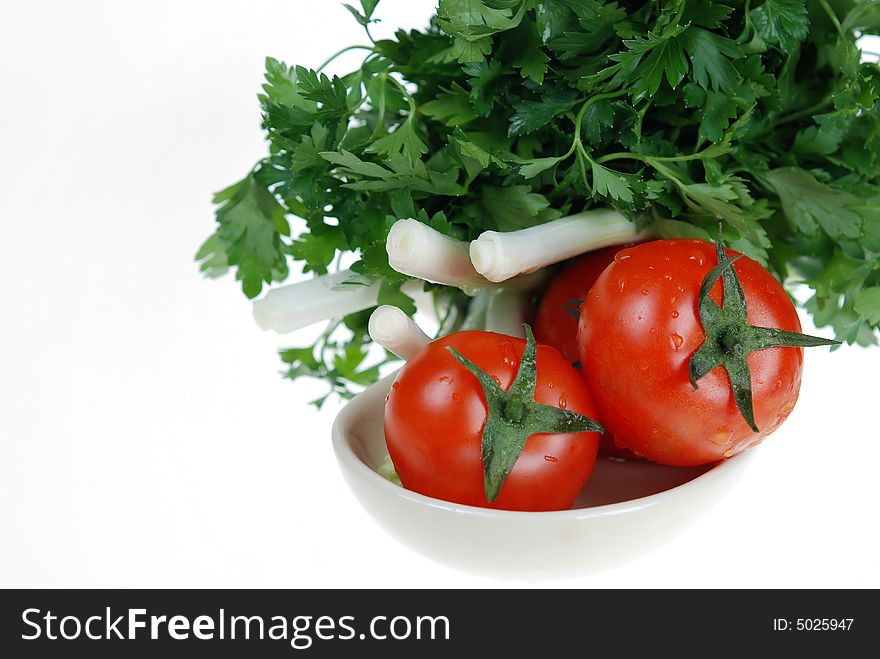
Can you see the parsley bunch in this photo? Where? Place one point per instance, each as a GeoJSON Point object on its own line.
{"type": "Point", "coordinates": [503, 114]}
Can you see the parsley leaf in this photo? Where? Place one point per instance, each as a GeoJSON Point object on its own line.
{"type": "Point", "coordinates": [515, 206]}
{"type": "Point", "coordinates": [811, 205]}
{"type": "Point", "coordinates": [868, 304]}
{"type": "Point", "coordinates": [452, 108]}
{"type": "Point", "coordinates": [710, 55]}
{"type": "Point", "coordinates": [610, 184]}
{"type": "Point", "coordinates": [781, 23]}
{"type": "Point", "coordinates": [251, 224]}
{"type": "Point", "coordinates": [530, 115]}
{"type": "Point", "coordinates": [648, 60]}
{"type": "Point", "coordinates": [404, 141]}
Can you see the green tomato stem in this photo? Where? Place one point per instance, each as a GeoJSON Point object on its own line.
{"type": "Point", "coordinates": [730, 338]}
{"type": "Point", "coordinates": [513, 416]}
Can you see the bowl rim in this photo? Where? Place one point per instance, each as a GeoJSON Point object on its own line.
{"type": "Point", "coordinates": [346, 456]}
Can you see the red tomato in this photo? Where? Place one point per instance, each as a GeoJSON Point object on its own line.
{"type": "Point", "coordinates": [555, 326]}
{"type": "Point", "coordinates": [434, 418]}
{"type": "Point", "coordinates": [638, 328]}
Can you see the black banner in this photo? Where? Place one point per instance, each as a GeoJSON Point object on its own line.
{"type": "Point", "coordinates": [332, 623]}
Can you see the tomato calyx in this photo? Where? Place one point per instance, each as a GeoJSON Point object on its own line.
{"type": "Point", "coordinates": [730, 338]}
{"type": "Point", "coordinates": [514, 415]}
{"type": "Point", "coordinates": [572, 307]}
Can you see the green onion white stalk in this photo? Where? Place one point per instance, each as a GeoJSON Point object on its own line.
{"type": "Point", "coordinates": [417, 250]}
{"type": "Point", "coordinates": [499, 256]}
{"type": "Point", "coordinates": [294, 306]}
{"type": "Point", "coordinates": [506, 312]}
{"type": "Point", "coordinates": [399, 334]}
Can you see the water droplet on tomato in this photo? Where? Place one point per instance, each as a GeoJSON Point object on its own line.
{"type": "Point", "coordinates": [395, 386]}
{"type": "Point", "coordinates": [508, 356]}
{"type": "Point", "coordinates": [653, 330]}
{"type": "Point", "coordinates": [456, 397]}
{"type": "Point", "coordinates": [650, 268]}
{"type": "Point", "coordinates": [549, 385]}
{"type": "Point", "coordinates": [387, 397]}
{"type": "Point", "coordinates": [729, 452]}
{"type": "Point", "coordinates": [759, 382]}
{"type": "Point", "coordinates": [550, 458]}
{"type": "Point", "coordinates": [667, 277]}
{"type": "Point", "coordinates": [563, 401]}
{"type": "Point", "coordinates": [675, 314]}
{"type": "Point", "coordinates": [677, 341]}
{"type": "Point", "coordinates": [622, 256]}
{"type": "Point", "coordinates": [497, 380]}
{"type": "Point", "coordinates": [644, 291]}
{"type": "Point", "coordinates": [445, 379]}
{"type": "Point", "coordinates": [621, 284]}
{"type": "Point", "coordinates": [721, 436]}
{"type": "Point", "coordinates": [680, 289]}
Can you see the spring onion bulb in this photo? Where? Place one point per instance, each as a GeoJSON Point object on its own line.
{"type": "Point", "coordinates": [500, 256]}
{"type": "Point", "coordinates": [417, 250]}
{"type": "Point", "coordinates": [294, 306]}
{"type": "Point", "coordinates": [396, 332]}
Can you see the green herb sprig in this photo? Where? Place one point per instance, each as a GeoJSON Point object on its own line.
{"type": "Point", "coordinates": [503, 114]}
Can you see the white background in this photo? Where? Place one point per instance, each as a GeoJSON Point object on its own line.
{"type": "Point", "coordinates": [147, 439]}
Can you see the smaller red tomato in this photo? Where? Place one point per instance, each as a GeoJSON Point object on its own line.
{"type": "Point", "coordinates": [556, 321]}
{"type": "Point", "coordinates": [436, 417]}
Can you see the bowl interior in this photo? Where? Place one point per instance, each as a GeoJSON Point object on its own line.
{"type": "Point", "coordinates": [613, 480]}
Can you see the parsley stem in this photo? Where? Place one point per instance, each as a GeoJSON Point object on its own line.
{"type": "Point", "coordinates": [679, 14]}
{"type": "Point", "coordinates": [637, 129]}
{"type": "Point", "coordinates": [580, 117]}
{"type": "Point", "coordinates": [340, 52]}
{"type": "Point", "coordinates": [584, 156]}
{"type": "Point", "coordinates": [380, 110]}
{"type": "Point", "coordinates": [627, 155]}
{"type": "Point", "coordinates": [409, 99]}
{"type": "Point", "coordinates": [369, 36]}
{"type": "Point", "coordinates": [832, 16]}
{"type": "Point", "coordinates": [747, 23]}
{"type": "Point", "coordinates": [620, 155]}
{"type": "Point", "coordinates": [806, 112]}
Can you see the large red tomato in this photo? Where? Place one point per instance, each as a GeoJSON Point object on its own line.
{"type": "Point", "coordinates": [639, 327]}
{"type": "Point", "coordinates": [436, 410]}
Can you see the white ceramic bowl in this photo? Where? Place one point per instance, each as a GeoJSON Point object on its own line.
{"type": "Point", "coordinates": [625, 510]}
